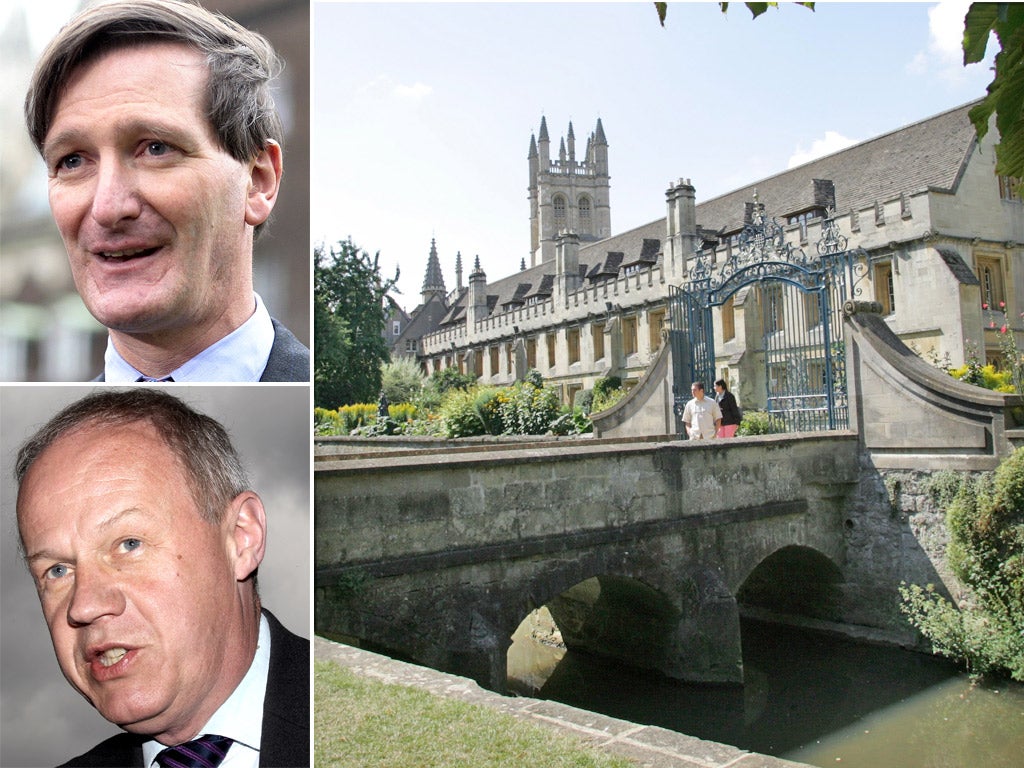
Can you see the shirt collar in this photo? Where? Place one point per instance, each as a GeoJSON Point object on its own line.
{"type": "Point", "coordinates": [240, 718]}
{"type": "Point", "coordinates": [242, 355]}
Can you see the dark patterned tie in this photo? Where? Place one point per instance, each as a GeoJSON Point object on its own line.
{"type": "Point", "coordinates": [205, 752]}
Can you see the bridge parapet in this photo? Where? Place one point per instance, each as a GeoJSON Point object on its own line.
{"type": "Point", "coordinates": [439, 556]}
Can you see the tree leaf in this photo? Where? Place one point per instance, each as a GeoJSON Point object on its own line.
{"type": "Point", "coordinates": [662, 9]}
{"type": "Point", "coordinates": [978, 23]}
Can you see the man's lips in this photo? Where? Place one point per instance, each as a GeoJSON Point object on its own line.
{"type": "Point", "coordinates": [119, 255]}
{"type": "Point", "coordinates": [109, 661]}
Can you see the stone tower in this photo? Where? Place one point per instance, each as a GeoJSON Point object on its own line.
{"type": "Point", "coordinates": [567, 194]}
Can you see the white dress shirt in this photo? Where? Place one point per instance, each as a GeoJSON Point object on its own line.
{"type": "Point", "coordinates": [240, 717]}
{"type": "Point", "coordinates": [240, 356]}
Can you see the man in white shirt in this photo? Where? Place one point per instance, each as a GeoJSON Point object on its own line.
{"type": "Point", "coordinates": [163, 150]}
{"type": "Point", "coordinates": [702, 417]}
{"type": "Point", "coordinates": [144, 542]}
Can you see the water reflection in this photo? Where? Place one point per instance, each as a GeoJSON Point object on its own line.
{"type": "Point", "coordinates": [807, 697]}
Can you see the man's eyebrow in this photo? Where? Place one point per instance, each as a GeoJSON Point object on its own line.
{"type": "Point", "coordinates": [102, 525]}
{"type": "Point", "coordinates": [75, 135]}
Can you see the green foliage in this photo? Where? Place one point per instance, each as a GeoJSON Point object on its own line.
{"type": "Point", "coordinates": [756, 9]}
{"type": "Point", "coordinates": [362, 419]}
{"type": "Point", "coordinates": [1012, 363]}
{"type": "Point", "coordinates": [349, 316]}
{"type": "Point", "coordinates": [1006, 91]}
{"type": "Point", "coordinates": [401, 380]}
{"type": "Point", "coordinates": [528, 409]}
{"type": "Point", "coordinates": [451, 378]}
{"type": "Point", "coordinates": [759, 423]}
{"type": "Point", "coordinates": [983, 376]}
{"type": "Point", "coordinates": [986, 552]}
{"type": "Point", "coordinates": [459, 413]}
{"type": "Point", "coordinates": [607, 392]}
{"type": "Point", "coordinates": [606, 384]}
{"type": "Point", "coordinates": [605, 400]}
{"type": "Point", "coordinates": [573, 421]}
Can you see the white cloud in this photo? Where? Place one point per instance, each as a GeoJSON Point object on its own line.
{"type": "Point", "coordinates": [384, 86]}
{"type": "Point", "coordinates": [943, 57]}
{"type": "Point", "coordinates": [832, 142]}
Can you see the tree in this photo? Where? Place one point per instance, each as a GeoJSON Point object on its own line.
{"type": "Point", "coordinates": [1005, 92]}
{"type": "Point", "coordinates": [402, 380]}
{"type": "Point", "coordinates": [349, 316]}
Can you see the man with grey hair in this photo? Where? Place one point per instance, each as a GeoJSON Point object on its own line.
{"type": "Point", "coordinates": [163, 151]}
{"type": "Point", "coordinates": [144, 540]}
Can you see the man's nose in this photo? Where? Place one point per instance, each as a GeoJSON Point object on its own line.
{"type": "Point", "coordinates": [116, 196]}
{"type": "Point", "coordinates": [96, 594]}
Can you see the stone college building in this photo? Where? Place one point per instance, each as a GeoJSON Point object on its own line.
{"type": "Point", "coordinates": [938, 236]}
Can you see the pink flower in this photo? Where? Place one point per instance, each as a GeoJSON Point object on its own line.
{"type": "Point", "coordinates": [992, 324]}
{"type": "Point", "coordinates": [1002, 305]}
{"type": "Point", "coordinates": [984, 306]}
{"type": "Point", "coordinates": [1003, 329]}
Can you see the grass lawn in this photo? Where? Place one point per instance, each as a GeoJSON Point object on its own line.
{"type": "Point", "coordinates": [363, 723]}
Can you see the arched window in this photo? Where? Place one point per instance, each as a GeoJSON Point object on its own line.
{"type": "Point", "coordinates": [584, 208]}
{"type": "Point", "coordinates": [559, 205]}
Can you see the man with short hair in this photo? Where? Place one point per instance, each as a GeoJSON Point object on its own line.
{"type": "Point", "coordinates": [702, 417]}
{"type": "Point", "coordinates": [144, 540]}
{"type": "Point", "coordinates": [163, 150]}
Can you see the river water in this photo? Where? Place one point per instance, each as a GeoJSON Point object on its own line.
{"type": "Point", "coordinates": [808, 697]}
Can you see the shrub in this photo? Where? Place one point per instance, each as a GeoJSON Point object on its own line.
{"type": "Point", "coordinates": [459, 414]}
{"type": "Point", "coordinates": [760, 423]}
{"type": "Point", "coordinates": [448, 379]}
{"type": "Point", "coordinates": [527, 409]}
{"type": "Point", "coordinates": [986, 553]}
{"type": "Point", "coordinates": [606, 399]}
{"type": "Point", "coordinates": [606, 384]}
{"type": "Point", "coordinates": [401, 380]}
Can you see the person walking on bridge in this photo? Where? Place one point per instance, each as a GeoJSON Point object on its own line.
{"type": "Point", "coordinates": [702, 417]}
{"type": "Point", "coordinates": [730, 411]}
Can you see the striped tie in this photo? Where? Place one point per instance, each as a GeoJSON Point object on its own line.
{"type": "Point", "coordinates": [205, 752]}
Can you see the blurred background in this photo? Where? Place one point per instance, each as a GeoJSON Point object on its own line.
{"type": "Point", "coordinates": [43, 720]}
{"type": "Point", "coordinates": [46, 334]}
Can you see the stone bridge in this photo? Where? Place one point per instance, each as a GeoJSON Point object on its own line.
{"type": "Point", "coordinates": [646, 550]}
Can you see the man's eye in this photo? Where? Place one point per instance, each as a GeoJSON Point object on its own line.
{"type": "Point", "coordinates": [130, 545]}
{"type": "Point", "coordinates": [69, 162]}
{"type": "Point", "coordinates": [58, 571]}
{"type": "Point", "coordinates": [157, 148]}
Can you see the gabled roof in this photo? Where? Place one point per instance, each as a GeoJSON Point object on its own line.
{"type": "Point", "coordinates": [928, 154]}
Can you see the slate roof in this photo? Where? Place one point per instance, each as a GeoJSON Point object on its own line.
{"type": "Point", "coordinates": [963, 273]}
{"type": "Point", "coordinates": [928, 154]}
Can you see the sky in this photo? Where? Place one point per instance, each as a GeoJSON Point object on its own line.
{"type": "Point", "coordinates": [269, 427]}
{"type": "Point", "coordinates": [423, 112]}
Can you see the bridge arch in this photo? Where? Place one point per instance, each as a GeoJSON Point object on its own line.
{"type": "Point", "coordinates": [794, 580]}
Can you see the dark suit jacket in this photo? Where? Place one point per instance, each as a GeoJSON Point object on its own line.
{"type": "Point", "coordinates": [285, 739]}
{"type": "Point", "coordinates": [289, 357]}
{"type": "Point", "coordinates": [288, 361]}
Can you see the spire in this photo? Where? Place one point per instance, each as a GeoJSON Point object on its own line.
{"type": "Point", "coordinates": [572, 143]}
{"type": "Point", "coordinates": [522, 264]}
{"type": "Point", "coordinates": [599, 133]}
{"type": "Point", "coordinates": [561, 151]}
{"type": "Point", "coordinates": [572, 136]}
{"type": "Point", "coordinates": [543, 129]}
{"type": "Point", "coordinates": [533, 146]}
{"type": "Point", "coordinates": [433, 280]}
{"type": "Point", "coordinates": [458, 271]}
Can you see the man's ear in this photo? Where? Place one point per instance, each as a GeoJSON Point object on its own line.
{"type": "Point", "coordinates": [247, 538]}
{"type": "Point", "coordinates": [265, 173]}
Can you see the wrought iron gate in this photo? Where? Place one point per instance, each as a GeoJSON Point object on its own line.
{"type": "Point", "coordinates": [798, 340]}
